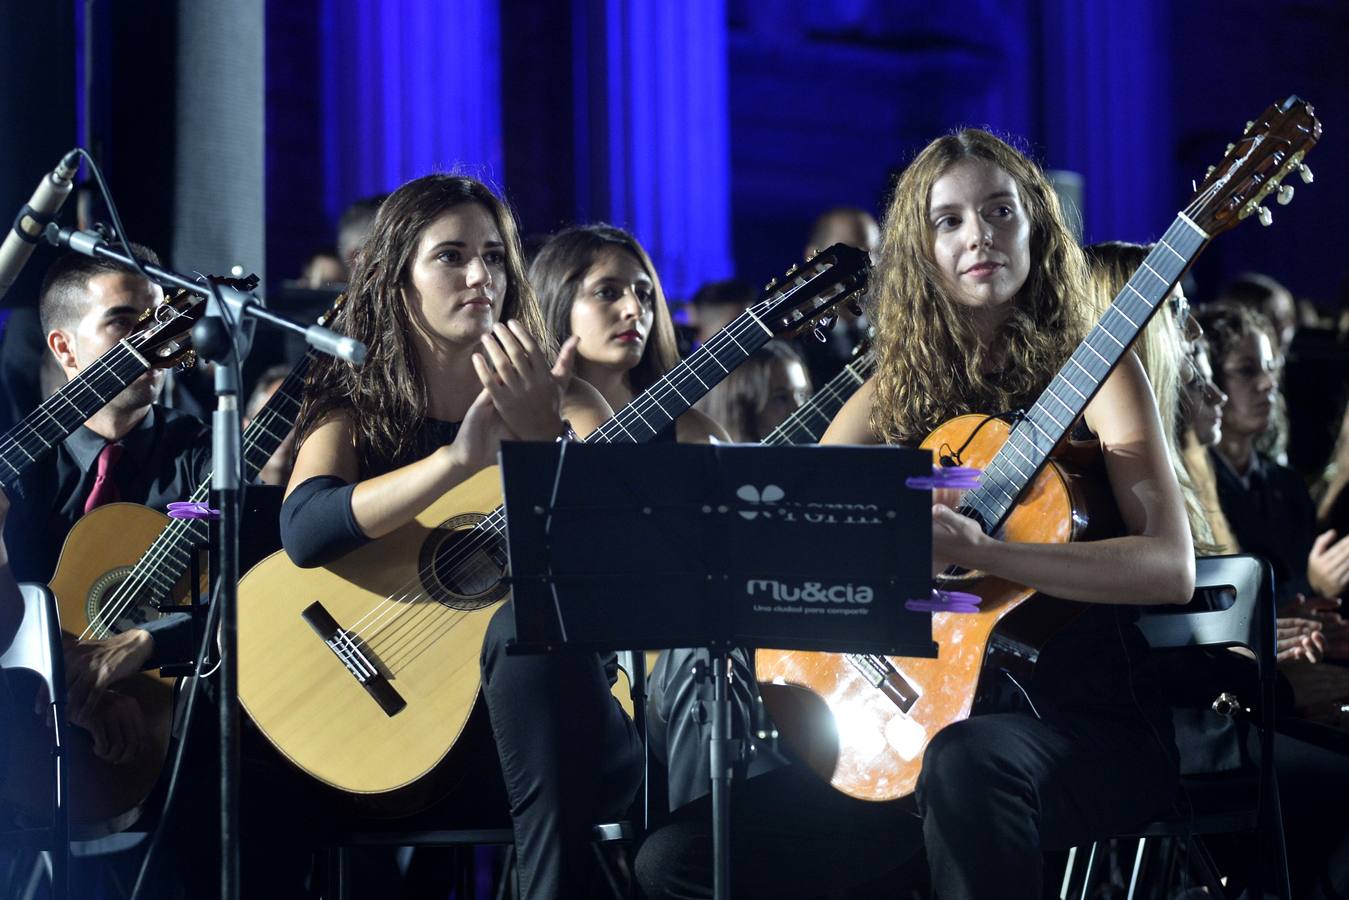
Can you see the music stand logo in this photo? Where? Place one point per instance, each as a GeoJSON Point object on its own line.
{"type": "Point", "coordinates": [772, 504]}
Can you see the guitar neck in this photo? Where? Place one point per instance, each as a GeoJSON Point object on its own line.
{"type": "Point", "coordinates": [684, 385]}
{"type": "Point", "coordinates": [170, 554]}
{"type": "Point", "coordinates": [1036, 432]}
{"type": "Point", "coordinates": [57, 417]}
{"type": "Point", "coordinates": [808, 424]}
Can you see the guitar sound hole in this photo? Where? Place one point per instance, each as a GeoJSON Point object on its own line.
{"type": "Point", "coordinates": [462, 565]}
{"type": "Point", "coordinates": [108, 608]}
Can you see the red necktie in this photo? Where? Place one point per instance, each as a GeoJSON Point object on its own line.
{"type": "Point", "coordinates": [105, 488]}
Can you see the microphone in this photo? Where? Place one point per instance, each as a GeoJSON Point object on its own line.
{"type": "Point", "coordinates": [28, 226]}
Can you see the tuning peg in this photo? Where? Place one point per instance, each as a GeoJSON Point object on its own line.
{"type": "Point", "coordinates": [1285, 194]}
{"type": "Point", "coordinates": [1306, 172]}
{"type": "Point", "coordinates": [1230, 148]}
{"type": "Point", "coordinates": [1266, 217]}
{"type": "Point", "coordinates": [1249, 124]}
{"type": "Point", "coordinates": [792, 269]}
{"type": "Point", "coordinates": [855, 308]}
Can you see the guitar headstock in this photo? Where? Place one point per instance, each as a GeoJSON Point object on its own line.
{"type": "Point", "coordinates": [163, 333]}
{"type": "Point", "coordinates": [1270, 149]}
{"type": "Point", "coordinates": [808, 293]}
{"type": "Point", "coordinates": [330, 314]}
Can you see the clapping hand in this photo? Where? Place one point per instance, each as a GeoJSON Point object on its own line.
{"type": "Point", "coordinates": [525, 391]}
{"type": "Point", "coordinates": [1328, 564]}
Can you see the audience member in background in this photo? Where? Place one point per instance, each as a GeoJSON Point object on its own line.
{"type": "Point", "coordinates": [716, 304]}
{"type": "Point", "coordinates": [324, 268]}
{"type": "Point", "coordinates": [856, 228]}
{"type": "Point", "coordinates": [1267, 504]}
{"type": "Point", "coordinates": [353, 228]}
{"type": "Point", "coordinates": [1310, 761]}
{"type": "Point", "coordinates": [1264, 295]}
{"type": "Point", "coordinates": [760, 394]}
{"type": "Point", "coordinates": [1200, 425]}
{"type": "Point", "coordinates": [844, 225]}
{"type": "Point", "coordinates": [277, 469]}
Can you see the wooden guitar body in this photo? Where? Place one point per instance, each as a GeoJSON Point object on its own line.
{"type": "Point", "coordinates": [870, 746]}
{"type": "Point", "coordinates": [97, 557]}
{"type": "Point", "coordinates": [414, 606]}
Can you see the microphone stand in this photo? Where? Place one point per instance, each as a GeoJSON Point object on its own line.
{"type": "Point", "coordinates": [214, 338]}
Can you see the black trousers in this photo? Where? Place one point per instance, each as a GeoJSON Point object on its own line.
{"type": "Point", "coordinates": [996, 791]}
{"type": "Point", "coordinates": [570, 756]}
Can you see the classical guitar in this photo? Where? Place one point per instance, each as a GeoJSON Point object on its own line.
{"type": "Point", "coordinates": [118, 566]}
{"type": "Point", "coordinates": [364, 672]}
{"type": "Point", "coordinates": [864, 722]}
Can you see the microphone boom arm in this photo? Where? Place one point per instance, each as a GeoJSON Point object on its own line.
{"type": "Point", "coordinates": [241, 303]}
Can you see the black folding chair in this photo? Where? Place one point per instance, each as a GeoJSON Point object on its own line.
{"type": "Point", "coordinates": [36, 652]}
{"type": "Point", "coordinates": [1219, 803]}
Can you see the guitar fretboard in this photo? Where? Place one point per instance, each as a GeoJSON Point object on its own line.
{"type": "Point", "coordinates": [808, 424]}
{"type": "Point", "coordinates": [685, 384]}
{"type": "Point", "coordinates": [1035, 433]}
{"type": "Point", "coordinates": [57, 417]}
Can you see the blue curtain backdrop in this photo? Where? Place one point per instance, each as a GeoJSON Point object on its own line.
{"type": "Point", "coordinates": [718, 129]}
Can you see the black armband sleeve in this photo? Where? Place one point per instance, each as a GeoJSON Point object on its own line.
{"type": "Point", "coordinates": [317, 524]}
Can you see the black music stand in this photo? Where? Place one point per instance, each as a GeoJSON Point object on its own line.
{"type": "Point", "coordinates": [668, 545]}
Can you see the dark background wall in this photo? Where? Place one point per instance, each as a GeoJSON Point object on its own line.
{"type": "Point", "coordinates": [803, 105]}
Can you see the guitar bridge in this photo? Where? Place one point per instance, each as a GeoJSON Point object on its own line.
{"type": "Point", "coordinates": [349, 651]}
{"type": "Point", "coordinates": [886, 678]}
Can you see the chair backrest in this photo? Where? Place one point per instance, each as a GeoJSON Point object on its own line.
{"type": "Point", "coordinates": [1247, 622]}
{"type": "Point", "coordinates": [37, 644]}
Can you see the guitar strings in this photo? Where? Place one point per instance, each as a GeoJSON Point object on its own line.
{"type": "Point", "coordinates": [68, 394]}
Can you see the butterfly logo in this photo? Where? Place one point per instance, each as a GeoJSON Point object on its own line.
{"type": "Point", "coordinates": [771, 493]}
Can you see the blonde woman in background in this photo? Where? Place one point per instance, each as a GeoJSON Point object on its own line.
{"type": "Point", "coordinates": [1160, 349]}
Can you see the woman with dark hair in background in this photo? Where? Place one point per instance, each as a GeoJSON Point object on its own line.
{"type": "Point", "coordinates": [460, 358]}
{"type": "Point", "coordinates": [596, 283]}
